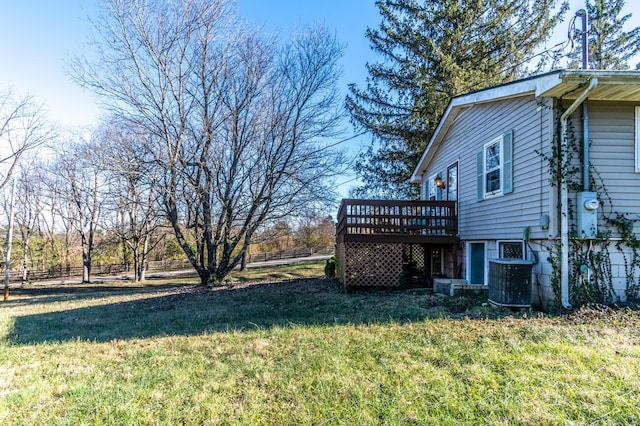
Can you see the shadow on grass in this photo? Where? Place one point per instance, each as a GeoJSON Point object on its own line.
{"type": "Point", "coordinates": [195, 310]}
{"type": "Point", "coordinates": [43, 294]}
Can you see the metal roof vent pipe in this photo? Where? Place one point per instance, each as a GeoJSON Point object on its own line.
{"type": "Point", "coordinates": [585, 37]}
{"type": "Point", "coordinates": [585, 106]}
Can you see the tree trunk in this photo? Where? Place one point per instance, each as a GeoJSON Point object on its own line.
{"type": "Point", "coordinates": [125, 263]}
{"type": "Point", "coordinates": [25, 261]}
{"type": "Point", "coordinates": [67, 254]}
{"type": "Point", "coordinates": [86, 260]}
{"type": "Point", "coordinates": [243, 263]}
{"type": "Point", "coordinates": [139, 273]}
{"type": "Point", "coordinates": [205, 276]}
{"type": "Point", "coordinates": [86, 269]}
{"type": "Point", "coordinates": [143, 258]}
{"type": "Point", "coordinates": [137, 262]}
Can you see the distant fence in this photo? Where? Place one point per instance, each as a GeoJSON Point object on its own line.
{"type": "Point", "coordinates": [154, 266]}
{"type": "Point", "coordinates": [288, 254]}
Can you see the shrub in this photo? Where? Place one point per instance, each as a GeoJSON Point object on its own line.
{"type": "Point", "coordinates": [330, 267]}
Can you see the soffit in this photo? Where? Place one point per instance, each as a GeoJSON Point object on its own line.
{"type": "Point", "coordinates": [612, 85]}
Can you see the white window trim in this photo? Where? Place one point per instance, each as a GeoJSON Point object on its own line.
{"type": "Point", "coordinates": [499, 192]}
{"type": "Point", "coordinates": [637, 139]}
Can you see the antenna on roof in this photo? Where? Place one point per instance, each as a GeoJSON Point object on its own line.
{"type": "Point", "coordinates": [585, 37]}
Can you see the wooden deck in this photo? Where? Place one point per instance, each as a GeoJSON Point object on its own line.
{"type": "Point", "coordinates": [393, 221]}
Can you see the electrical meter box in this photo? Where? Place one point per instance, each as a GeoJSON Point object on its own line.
{"type": "Point", "coordinates": [587, 209]}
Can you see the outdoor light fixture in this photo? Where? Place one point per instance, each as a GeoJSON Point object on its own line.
{"type": "Point", "coordinates": [439, 182]}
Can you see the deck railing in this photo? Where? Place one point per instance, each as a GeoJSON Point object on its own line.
{"type": "Point", "coordinates": [397, 221]}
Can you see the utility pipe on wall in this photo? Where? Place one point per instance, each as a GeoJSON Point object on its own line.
{"type": "Point", "coordinates": [586, 180]}
{"type": "Point", "coordinates": [564, 198]}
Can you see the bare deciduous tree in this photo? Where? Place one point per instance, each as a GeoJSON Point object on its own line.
{"type": "Point", "coordinates": [78, 184]}
{"type": "Point", "coordinates": [29, 207]}
{"type": "Point", "coordinates": [58, 221]}
{"type": "Point", "coordinates": [236, 122]}
{"type": "Point", "coordinates": [22, 128]}
{"type": "Point", "coordinates": [134, 215]}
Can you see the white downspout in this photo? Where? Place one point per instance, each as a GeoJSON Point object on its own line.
{"type": "Point", "coordinates": [564, 199]}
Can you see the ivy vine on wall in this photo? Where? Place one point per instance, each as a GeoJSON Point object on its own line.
{"type": "Point", "coordinates": [590, 266]}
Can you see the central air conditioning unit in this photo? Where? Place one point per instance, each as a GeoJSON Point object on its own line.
{"type": "Point", "coordinates": [510, 282]}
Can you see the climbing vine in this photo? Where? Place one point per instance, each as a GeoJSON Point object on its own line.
{"type": "Point", "coordinates": [554, 260]}
{"type": "Point", "coordinates": [590, 266]}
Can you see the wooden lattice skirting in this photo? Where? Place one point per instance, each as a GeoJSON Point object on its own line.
{"type": "Point", "coordinates": [369, 264]}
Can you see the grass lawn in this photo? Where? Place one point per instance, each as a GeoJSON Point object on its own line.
{"type": "Point", "coordinates": [294, 349]}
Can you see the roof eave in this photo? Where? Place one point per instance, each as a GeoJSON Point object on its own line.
{"type": "Point", "coordinates": [555, 84]}
{"type": "Point", "coordinates": [509, 90]}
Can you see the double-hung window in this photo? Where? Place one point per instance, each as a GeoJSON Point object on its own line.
{"type": "Point", "coordinates": [494, 167]}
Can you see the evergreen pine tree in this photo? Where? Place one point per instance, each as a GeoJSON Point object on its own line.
{"type": "Point", "coordinates": [431, 51]}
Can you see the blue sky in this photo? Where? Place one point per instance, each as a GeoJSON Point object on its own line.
{"type": "Point", "coordinates": [37, 35]}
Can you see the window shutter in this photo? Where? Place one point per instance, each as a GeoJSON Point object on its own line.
{"type": "Point", "coordinates": [507, 173]}
{"type": "Point", "coordinates": [480, 175]}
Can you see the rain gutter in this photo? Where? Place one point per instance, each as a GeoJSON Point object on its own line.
{"type": "Point", "coordinates": [564, 199]}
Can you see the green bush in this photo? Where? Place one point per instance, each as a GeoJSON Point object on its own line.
{"type": "Point", "coordinates": [330, 267]}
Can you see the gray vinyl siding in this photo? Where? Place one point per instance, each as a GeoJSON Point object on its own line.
{"type": "Point", "coordinates": [612, 155]}
{"type": "Point", "coordinates": [506, 216]}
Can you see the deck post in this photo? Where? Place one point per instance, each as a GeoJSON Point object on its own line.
{"type": "Point", "coordinates": [454, 254]}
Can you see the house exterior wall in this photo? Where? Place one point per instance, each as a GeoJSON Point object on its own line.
{"type": "Point", "coordinates": [542, 291]}
{"type": "Point", "coordinates": [612, 135]}
{"type": "Point", "coordinates": [509, 214]}
{"type": "Point", "coordinates": [612, 154]}
{"type": "Point", "coordinates": [612, 146]}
